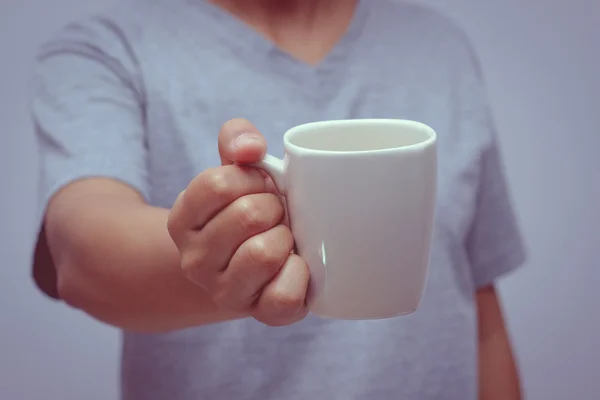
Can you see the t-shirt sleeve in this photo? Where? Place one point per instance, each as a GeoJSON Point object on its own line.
{"type": "Point", "coordinates": [87, 108]}
{"type": "Point", "coordinates": [494, 244]}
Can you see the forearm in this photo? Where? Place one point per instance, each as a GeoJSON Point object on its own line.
{"type": "Point", "coordinates": [120, 265]}
{"type": "Point", "coordinates": [498, 375]}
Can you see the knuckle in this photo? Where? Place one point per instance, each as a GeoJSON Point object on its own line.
{"type": "Point", "coordinates": [192, 265]}
{"type": "Point", "coordinates": [259, 252]}
{"type": "Point", "coordinates": [251, 212]}
{"type": "Point", "coordinates": [218, 183]}
{"type": "Point", "coordinates": [175, 227]}
{"type": "Point", "coordinates": [285, 303]}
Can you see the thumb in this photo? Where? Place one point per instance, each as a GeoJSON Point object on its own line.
{"type": "Point", "coordinates": [240, 142]}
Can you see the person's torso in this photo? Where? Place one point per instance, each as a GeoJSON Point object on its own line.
{"type": "Point", "coordinates": [199, 68]}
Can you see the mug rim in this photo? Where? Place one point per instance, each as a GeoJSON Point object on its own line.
{"type": "Point", "coordinates": [432, 136]}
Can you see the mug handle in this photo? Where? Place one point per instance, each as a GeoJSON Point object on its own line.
{"type": "Point", "coordinates": [275, 168]}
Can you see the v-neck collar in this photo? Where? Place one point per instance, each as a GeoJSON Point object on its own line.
{"type": "Point", "coordinates": [250, 43]}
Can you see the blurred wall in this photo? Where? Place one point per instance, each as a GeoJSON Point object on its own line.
{"type": "Point", "coordinates": [542, 69]}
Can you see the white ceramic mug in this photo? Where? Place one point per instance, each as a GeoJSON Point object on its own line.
{"type": "Point", "coordinates": [361, 197]}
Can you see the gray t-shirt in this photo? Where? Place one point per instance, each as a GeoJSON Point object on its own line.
{"type": "Point", "coordinates": [138, 94]}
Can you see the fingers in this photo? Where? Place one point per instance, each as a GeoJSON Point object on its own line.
{"type": "Point", "coordinates": [240, 142]}
{"type": "Point", "coordinates": [206, 253]}
{"type": "Point", "coordinates": [229, 228]}
{"type": "Point", "coordinates": [208, 194]}
{"type": "Point", "coordinates": [283, 300]}
{"type": "Point", "coordinates": [253, 265]}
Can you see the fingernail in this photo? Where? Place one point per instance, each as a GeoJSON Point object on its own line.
{"type": "Point", "coordinates": [245, 139]}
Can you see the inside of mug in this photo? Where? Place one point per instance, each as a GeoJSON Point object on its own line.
{"type": "Point", "coordinates": [359, 135]}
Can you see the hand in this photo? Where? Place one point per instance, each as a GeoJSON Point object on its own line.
{"type": "Point", "coordinates": [228, 226]}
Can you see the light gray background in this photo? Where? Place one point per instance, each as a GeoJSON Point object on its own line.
{"type": "Point", "coordinates": [542, 66]}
